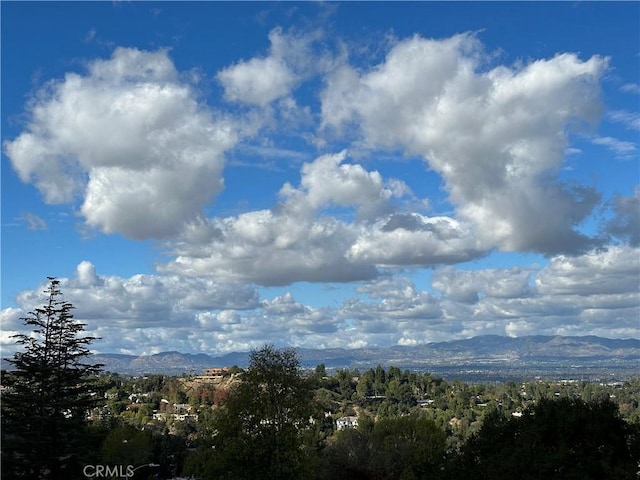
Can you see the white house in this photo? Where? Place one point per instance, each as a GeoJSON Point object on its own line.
{"type": "Point", "coordinates": [347, 422]}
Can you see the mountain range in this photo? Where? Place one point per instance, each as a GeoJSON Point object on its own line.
{"type": "Point", "coordinates": [487, 357]}
{"type": "Point", "coordinates": [482, 356]}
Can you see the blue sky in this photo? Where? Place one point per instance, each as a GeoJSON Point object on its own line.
{"type": "Point", "coordinates": [211, 176]}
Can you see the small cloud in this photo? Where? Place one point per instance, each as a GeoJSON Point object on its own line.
{"type": "Point", "coordinates": [273, 154]}
{"type": "Point", "coordinates": [572, 151]}
{"type": "Point", "coordinates": [631, 120]}
{"type": "Point", "coordinates": [631, 88]}
{"type": "Point", "coordinates": [34, 222]}
{"type": "Point", "coordinates": [90, 36]}
{"type": "Point", "coordinates": [621, 148]}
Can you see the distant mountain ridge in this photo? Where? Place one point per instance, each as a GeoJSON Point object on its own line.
{"type": "Point", "coordinates": [487, 350]}
{"type": "Point", "coordinates": [498, 355]}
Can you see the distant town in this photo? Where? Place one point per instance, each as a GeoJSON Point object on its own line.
{"type": "Point", "coordinates": [487, 358]}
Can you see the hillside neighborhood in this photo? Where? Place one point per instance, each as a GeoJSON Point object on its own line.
{"type": "Point", "coordinates": [182, 408]}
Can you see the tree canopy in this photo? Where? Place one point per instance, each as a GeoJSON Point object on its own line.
{"type": "Point", "coordinates": [564, 438]}
{"type": "Point", "coordinates": [260, 431]}
{"type": "Point", "coordinates": [48, 394]}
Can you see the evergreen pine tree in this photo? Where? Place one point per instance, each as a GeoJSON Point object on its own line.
{"type": "Point", "coordinates": [49, 393]}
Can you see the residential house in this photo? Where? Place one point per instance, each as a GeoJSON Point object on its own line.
{"type": "Point", "coordinates": [347, 422]}
{"type": "Point", "coordinates": [215, 372]}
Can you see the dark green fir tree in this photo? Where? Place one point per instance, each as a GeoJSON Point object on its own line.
{"type": "Point", "coordinates": [48, 394]}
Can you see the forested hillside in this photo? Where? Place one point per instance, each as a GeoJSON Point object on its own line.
{"type": "Point", "coordinates": [273, 420]}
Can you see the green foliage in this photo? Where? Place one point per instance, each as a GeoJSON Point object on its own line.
{"type": "Point", "coordinates": [260, 431]}
{"type": "Point", "coordinates": [399, 447]}
{"type": "Point", "coordinates": [411, 425]}
{"type": "Point", "coordinates": [173, 390]}
{"type": "Point", "coordinates": [348, 455]}
{"type": "Point", "coordinates": [49, 394]}
{"type": "Point", "coordinates": [408, 447]}
{"type": "Point", "coordinates": [320, 372]}
{"type": "Point", "coordinates": [126, 445]}
{"type": "Point", "coordinates": [564, 438]}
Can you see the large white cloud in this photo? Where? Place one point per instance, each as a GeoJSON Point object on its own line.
{"type": "Point", "coordinates": [415, 240]}
{"type": "Point", "coordinates": [610, 271]}
{"type": "Point", "coordinates": [147, 314]}
{"type": "Point", "coordinates": [497, 136]}
{"type": "Point", "coordinates": [130, 141]}
{"type": "Point", "coordinates": [145, 300]}
{"type": "Point", "coordinates": [297, 241]}
{"type": "Point", "coordinates": [270, 248]}
{"type": "Point", "coordinates": [130, 138]}
{"type": "Point", "coordinates": [593, 294]}
{"type": "Point", "coordinates": [468, 286]}
{"type": "Point", "coordinates": [328, 180]}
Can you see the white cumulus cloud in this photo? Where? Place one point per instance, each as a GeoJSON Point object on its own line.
{"type": "Point", "coordinates": [296, 241]}
{"type": "Point", "coordinates": [257, 81]}
{"type": "Point", "coordinates": [468, 286]}
{"type": "Point", "coordinates": [591, 294]}
{"type": "Point", "coordinates": [261, 80]}
{"type": "Point", "coordinates": [129, 139]}
{"type": "Point", "coordinates": [496, 136]}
